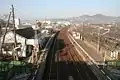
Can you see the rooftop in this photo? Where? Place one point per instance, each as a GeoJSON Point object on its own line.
{"type": "Point", "coordinates": [26, 32]}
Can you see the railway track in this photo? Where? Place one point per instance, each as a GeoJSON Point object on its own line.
{"type": "Point", "coordinates": [76, 62]}
{"type": "Point", "coordinates": [64, 62]}
{"type": "Point", "coordinates": [50, 72]}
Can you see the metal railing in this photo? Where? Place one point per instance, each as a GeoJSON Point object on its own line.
{"type": "Point", "coordinates": [41, 63]}
{"type": "Point", "coordinates": [92, 64]}
{"type": "Point", "coordinates": [12, 68]}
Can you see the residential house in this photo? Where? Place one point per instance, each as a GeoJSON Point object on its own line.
{"type": "Point", "coordinates": [25, 41]}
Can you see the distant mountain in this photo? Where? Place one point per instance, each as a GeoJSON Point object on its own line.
{"type": "Point", "coordinates": [96, 19]}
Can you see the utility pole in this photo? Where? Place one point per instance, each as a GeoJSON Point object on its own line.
{"type": "Point", "coordinates": [15, 41]}
{"type": "Point", "coordinates": [7, 25]}
{"type": "Point", "coordinates": [104, 56]}
{"type": "Point", "coordinates": [0, 37]}
{"type": "Point", "coordinates": [82, 38]}
{"type": "Point", "coordinates": [98, 45]}
{"type": "Point", "coordinates": [13, 16]}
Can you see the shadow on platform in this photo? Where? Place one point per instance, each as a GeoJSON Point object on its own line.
{"type": "Point", "coordinates": [64, 68]}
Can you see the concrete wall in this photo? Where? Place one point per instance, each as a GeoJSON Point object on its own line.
{"type": "Point", "coordinates": [9, 38]}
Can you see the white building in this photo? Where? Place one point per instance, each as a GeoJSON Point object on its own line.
{"type": "Point", "coordinates": [63, 23]}
{"type": "Point", "coordinates": [25, 40]}
{"type": "Point", "coordinates": [48, 22]}
{"type": "Point", "coordinates": [48, 27]}
{"type": "Point", "coordinates": [76, 35]}
{"type": "Point", "coordinates": [114, 55]}
{"type": "Point", "coordinates": [35, 27]}
{"type": "Point", "coordinates": [17, 23]}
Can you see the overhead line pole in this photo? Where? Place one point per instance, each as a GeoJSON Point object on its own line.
{"type": "Point", "coordinates": [98, 44]}
{"type": "Point", "coordinates": [13, 16]}
{"type": "Point", "coordinates": [7, 25]}
{"type": "Point", "coordinates": [0, 37]}
{"type": "Point", "coordinates": [15, 41]}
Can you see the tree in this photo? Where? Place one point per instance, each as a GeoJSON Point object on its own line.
{"type": "Point", "coordinates": [39, 24]}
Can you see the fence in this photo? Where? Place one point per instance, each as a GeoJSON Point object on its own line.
{"type": "Point", "coordinates": [11, 68]}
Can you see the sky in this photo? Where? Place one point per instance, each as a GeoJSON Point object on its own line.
{"type": "Point", "coordinates": [44, 9]}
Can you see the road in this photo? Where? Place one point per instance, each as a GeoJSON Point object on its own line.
{"type": "Point", "coordinates": [63, 61]}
